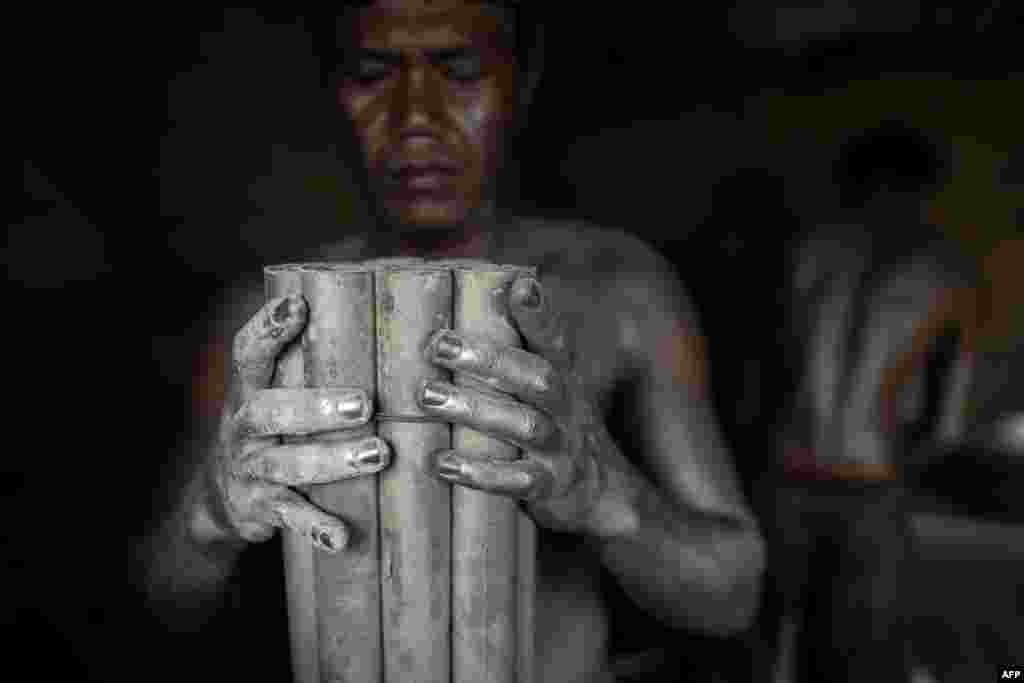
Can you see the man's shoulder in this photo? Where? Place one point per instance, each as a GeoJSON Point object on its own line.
{"type": "Point", "coordinates": [921, 253]}
{"type": "Point", "coordinates": [576, 247]}
{"type": "Point", "coordinates": [608, 275]}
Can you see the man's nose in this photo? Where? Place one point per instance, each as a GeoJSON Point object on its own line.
{"type": "Point", "coordinates": [418, 105]}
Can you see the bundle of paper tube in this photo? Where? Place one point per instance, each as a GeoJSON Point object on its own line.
{"type": "Point", "coordinates": [436, 584]}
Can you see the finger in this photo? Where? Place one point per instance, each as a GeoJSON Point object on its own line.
{"type": "Point", "coordinates": [514, 371]}
{"type": "Point", "coordinates": [259, 342]}
{"type": "Point", "coordinates": [292, 511]}
{"type": "Point", "coordinates": [272, 412]}
{"type": "Point", "coordinates": [316, 462]}
{"type": "Point", "coordinates": [502, 418]}
{"type": "Point", "coordinates": [543, 329]}
{"type": "Point", "coordinates": [530, 478]}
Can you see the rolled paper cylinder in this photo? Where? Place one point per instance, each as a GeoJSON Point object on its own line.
{"type": "Point", "coordinates": [299, 572]}
{"type": "Point", "coordinates": [527, 596]}
{"type": "Point", "coordinates": [437, 583]}
{"type": "Point", "coordinates": [459, 263]}
{"type": "Point", "coordinates": [490, 642]}
{"type": "Point", "coordinates": [393, 262]}
{"type": "Point", "coordinates": [338, 351]}
{"type": "Point", "coordinates": [415, 508]}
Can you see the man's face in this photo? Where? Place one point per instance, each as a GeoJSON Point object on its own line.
{"type": "Point", "coordinates": [429, 88]}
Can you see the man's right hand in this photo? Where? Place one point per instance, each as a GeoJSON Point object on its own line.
{"type": "Point", "coordinates": [247, 490]}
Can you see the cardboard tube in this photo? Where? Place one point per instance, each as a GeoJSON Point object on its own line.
{"type": "Point", "coordinates": [489, 603]}
{"type": "Point", "coordinates": [338, 351]}
{"type": "Point", "coordinates": [413, 302]}
{"type": "Point", "coordinates": [437, 583]}
{"type": "Point", "coordinates": [393, 262]}
{"type": "Point", "coordinates": [527, 551]}
{"type": "Point", "coordinates": [300, 579]}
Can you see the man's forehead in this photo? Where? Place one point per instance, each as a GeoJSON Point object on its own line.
{"type": "Point", "coordinates": [425, 23]}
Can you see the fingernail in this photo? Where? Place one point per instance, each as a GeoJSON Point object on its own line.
{"type": "Point", "coordinates": [282, 311]}
{"type": "Point", "coordinates": [323, 538]}
{"type": "Point", "coordinates": [350, 406]}
{"type": "Point", "coordinates": [434, 395]}
{"type": "Point", "coordinates": [528, 293]}
{"type": "Point", "coordinates": [449, 467]}
{"type": "Point", "coordinates": [287, 310]}
{"type": "Point", "coordinates": [369, 455]}
{"type": "Point", "coordinates": [447, 347]}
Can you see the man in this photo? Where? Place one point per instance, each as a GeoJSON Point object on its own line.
{"type": "Point", "coordinates": [433, 92]}
{"type": "Point", "coordinates": [881, 324]}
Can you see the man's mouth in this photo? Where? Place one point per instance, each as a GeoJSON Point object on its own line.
{"type": "Point", "coordinates": [418, 176]}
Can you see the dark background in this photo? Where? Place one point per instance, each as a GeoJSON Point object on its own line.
{"type": "Point", "coordinates": [167, 152]}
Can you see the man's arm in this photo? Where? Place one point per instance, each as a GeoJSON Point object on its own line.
{"type": "Point", "coordinates": [926, 372]}
{"type": "Point", "coordinates": [694, 554]}
{"type": "Point", "coordinates": [231, 477]}
{"type": "Point", "coordinates": [681, 540]}
{"type": "Point", "coordinates": [887, 330]}
{"type": "Point", "coordinates": [190, 554]}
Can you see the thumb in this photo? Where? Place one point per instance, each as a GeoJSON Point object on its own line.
{"type": "Point", "coordinates": [543, 329]}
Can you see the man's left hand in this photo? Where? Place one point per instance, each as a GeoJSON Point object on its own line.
{"type": "Point", "coordinates": [568, 455]}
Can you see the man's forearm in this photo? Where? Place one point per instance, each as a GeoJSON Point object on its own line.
{"type": "Point", "coordinates": [687, 567]}
{"type": "Point", "coordinates": [189, 558]}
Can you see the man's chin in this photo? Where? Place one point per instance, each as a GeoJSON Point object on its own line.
{"type": "Point", "coordinates": [427, 216]}
{"type": "Point", "coordinates": [431, 220]}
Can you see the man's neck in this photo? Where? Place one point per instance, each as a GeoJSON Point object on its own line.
{"type": "Point", "coordinates": [474, 238]}
{"type": "Point", "coordinates": [469, 243]}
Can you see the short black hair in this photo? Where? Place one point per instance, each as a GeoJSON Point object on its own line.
{"type": "Point", "coordinates": [525, 24]}
{"type": "Point", "coordinates": [892, 156]}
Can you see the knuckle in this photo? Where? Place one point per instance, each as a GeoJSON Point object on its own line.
{"type": "Point", "coordinates": [286, 470]}
{"type": "Point", "coordinates": [241, 499]}
{"type": "Point", "coordinates": [247, 366]}
{"type": "Point", "coordinates": [250, 470]}
{"type": "Point", "coordinates": [525, 483]}
{"type": "Point", "coordinates": [266, 468]}
{"type": "Point", "coordinates": [468, 406]}
{"type": "Point", "coordinates": [531, 426]}
{"type": "Point", "coordinates": [241, 422]}
{"type": "Point", "coordinates": [239, 343]}
{"type": "Point", "coordinates": [490, 359]}
{"type": "Point", "coordinates": [546, 382]}
{"type": "Point", "coordinates": [242, 345]}
{"type": "Point", "coordinates": [535, 428]}
{"type": "Point", "coordinates": [262, 334]}
{"type": "Point", "coordinates": [246, 421]}
{"type": "Point", "coordinates": [538, 484]}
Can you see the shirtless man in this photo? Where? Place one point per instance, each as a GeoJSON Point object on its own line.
{"type": "Point", "coordinates": [433, 92]}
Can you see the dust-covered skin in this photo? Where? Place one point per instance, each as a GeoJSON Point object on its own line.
{"type": "Point", "coordinates": [660, 508]}
{"type": "Point", "coordinates": [625, 468]}
{"type": "Point", "coordinates": [429, 91]}
{"type": "Point", "coordinates": [253, 470]}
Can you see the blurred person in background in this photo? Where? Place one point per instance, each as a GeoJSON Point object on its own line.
{"type": "Point", "coordinates": [881, 321]}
